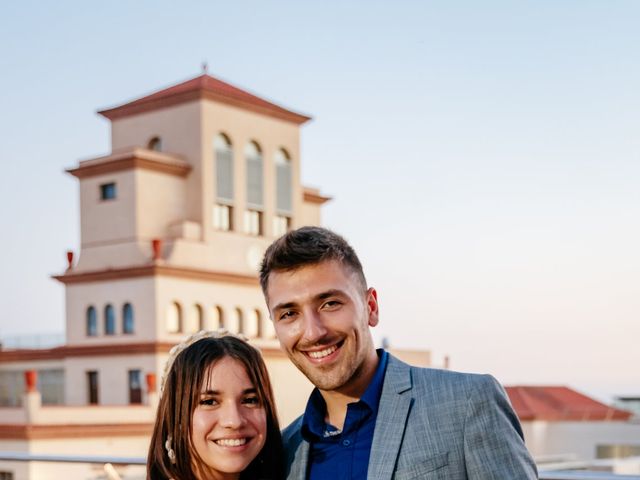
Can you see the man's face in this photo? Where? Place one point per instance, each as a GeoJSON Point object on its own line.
{"type": "Point", "coordinates": [322, 316]}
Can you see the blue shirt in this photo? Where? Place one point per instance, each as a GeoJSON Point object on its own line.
{"type": "Point", "coordinates": [343, 455]}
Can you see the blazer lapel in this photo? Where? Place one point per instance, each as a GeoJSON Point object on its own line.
{"type": "Point", "coordinates": [393, 411]}
{"type": "Point", "coordinates": [298, 470]}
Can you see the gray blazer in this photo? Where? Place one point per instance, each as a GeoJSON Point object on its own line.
{"type": "Point", "coordinates": [435, 424]}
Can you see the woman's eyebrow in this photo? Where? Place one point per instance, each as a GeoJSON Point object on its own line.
{"type": "Point", "coordinates": [217, 392]}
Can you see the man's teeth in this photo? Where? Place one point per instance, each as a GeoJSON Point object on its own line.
{"type": "Point", "coordinates": [231, 442]}
{"type": "Point", "coordinates": [323, 353]}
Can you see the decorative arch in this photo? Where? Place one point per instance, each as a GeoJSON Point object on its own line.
{"type": "Point", "coordinates": [255, 189]}
{"type": "Point", "coordinates": [216, 319]}
{"type": "Point", "coordinates": [155, 143]}
{"type": "Point", "coordinates": [252, 327]}
{"type": "Point", "coordinates": [127, 318]}
{"type": "Point", "coordinates": [223, 181]}
{"type": "Point", "coordinates": [109, 320]}
{"type": "Point", "coordinates": [194, 319]}
{"type": "Point", "coordinates": [92, 321]}
{"type": "Point", "coordinates": [173, 319]}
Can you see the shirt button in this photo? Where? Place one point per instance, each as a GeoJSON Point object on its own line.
{"type": "Point", "coordinates": [346, 443]}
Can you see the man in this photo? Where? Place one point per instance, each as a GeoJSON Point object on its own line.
{"type": "Point", "coordinates": [371, 415]}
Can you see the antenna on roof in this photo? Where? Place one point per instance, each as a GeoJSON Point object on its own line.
{"type": "Point", "coordinates": [205, 68]}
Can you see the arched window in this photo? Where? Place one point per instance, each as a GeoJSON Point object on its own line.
{"type": "Point", "coordinates": [194, 319]}
{"type": "Point", "coordinates": [252, 325]}
{"type": "Point", "coordinates": [284, 193]}
{"type": "Point", "coordinates": [155, 144]}
{"type": "Point", "coordinates": [223, 208]}
{"type": "Point", "coordinates": [127, 318]}
{"type": "Point", "coordinates": [174, 318]}
{"type": "Point", "coordinates": [255, 204]}
{"type": "Point", "coordinates": [239, 321]}
{"type": "Point", "coordinates": [109, 320]}
{"type": "Point", "coordinates": [216, 319]}
{"type": "Point", "coordinates": [92, 321]}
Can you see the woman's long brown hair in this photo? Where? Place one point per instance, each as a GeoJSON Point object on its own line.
{"type": "Point", "coordinates": [181, 396]}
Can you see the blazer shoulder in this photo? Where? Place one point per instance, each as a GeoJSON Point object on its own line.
{"type": "Point", "coordinates": [444, 384]}
{"type": "Point", "coordinates": [292, 435]}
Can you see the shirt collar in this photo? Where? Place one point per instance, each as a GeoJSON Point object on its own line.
{"type": "Point", "coordinates": [313, 423]}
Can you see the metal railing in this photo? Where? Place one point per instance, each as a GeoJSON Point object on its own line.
{"type": "Point", "coordinates": [110, 472]}
{"type": "Point", "coordinates": [109, 461]}
{"type": "Point", "coordinates": [43, 340]}
{"type": "Point", "coordinates": [584, 475]}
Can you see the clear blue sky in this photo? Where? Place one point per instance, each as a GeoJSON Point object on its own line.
{"type": "Point", "coordinates": [483, 157]}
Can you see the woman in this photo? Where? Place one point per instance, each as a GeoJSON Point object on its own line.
{"type": "Point", "coordinates": [216, 417]}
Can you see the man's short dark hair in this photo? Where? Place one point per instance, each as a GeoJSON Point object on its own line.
{"type": "Point", "coordinates": [308, 246]}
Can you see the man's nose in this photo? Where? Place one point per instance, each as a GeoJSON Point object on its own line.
{"type": "Point", "coordinates": [314, 328]}
{"type": "Point", "coordinates": [231, 415]}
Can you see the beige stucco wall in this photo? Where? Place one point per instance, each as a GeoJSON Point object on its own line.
{"type": "Point", "coordinates": [209, 295]}
{"type": "Point", "coordinates": [179, 127]}
{"type": "Point", "coordinates": [118, 232]}
{"type": "Point", "coordinates": [139, 292]}
{"type": "Point", "coordinates": [161, 202]}
{"type": "Point", "coordinates": [310, 214]}
{"type": "Point", "coordinates": [113, 388]}
{"type": "Point", "coordinates": [104, 222]}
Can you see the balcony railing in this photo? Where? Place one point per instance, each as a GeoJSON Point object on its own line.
{"type": "Point", "coordinates": [45, 340]}
{"type": "Point", "coordinates": [111, 473]}
{"type": "Point", "coordinates": [584, 475]}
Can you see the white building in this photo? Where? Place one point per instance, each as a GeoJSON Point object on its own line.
{"type": "Point", "coordinates": [561, 424]}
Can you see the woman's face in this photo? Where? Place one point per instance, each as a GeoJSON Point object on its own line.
{"type": "Point", "coordinates": [229, 425]}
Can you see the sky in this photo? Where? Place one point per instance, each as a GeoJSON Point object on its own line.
{"type": "Point", "coordinates": [483, 158]}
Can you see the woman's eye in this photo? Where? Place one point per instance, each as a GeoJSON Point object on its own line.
{"type": "Point", "coordinates": [208, 401]}
{"type": "Point", "coordinates": [253, 400]}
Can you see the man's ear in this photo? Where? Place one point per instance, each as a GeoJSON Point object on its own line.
{"type": "Point", "coordinates": [372, 305]}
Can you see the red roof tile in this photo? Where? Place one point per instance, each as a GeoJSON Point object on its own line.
{"type": "Point", "coordinates": [560, 403]}
{"type": "Point", "coordinates": [201, 87]}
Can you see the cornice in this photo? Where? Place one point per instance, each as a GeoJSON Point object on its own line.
{"type": "Point", "coordinates": [103, 350]}
{"type": "Point", "coordinates": [128, 161]}
{"type": "Point", "coordinates": [313, 196]}
{"type": "Point", "coordinates": [155, 270]}
{"type": "Point", "coordinates": [66, 351]}
{"type": "Point", "coordinates": [196, 95]}
{"type": "Point", "coordinates": [38, 432]}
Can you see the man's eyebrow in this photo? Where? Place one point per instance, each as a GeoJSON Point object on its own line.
{"type": "Point", "coordinates": [329, 293]}
{"type": "Point", "coordinates": [284, 306]}
{"type": "Point", "coordinates": [320, 296]}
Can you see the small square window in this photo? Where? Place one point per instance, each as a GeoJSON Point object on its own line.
{"type": "Point", "coordinates": [108, 191]}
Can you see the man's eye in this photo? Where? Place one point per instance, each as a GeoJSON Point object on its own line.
{"type": "Point", "coordinates": [331, 304]}
{"type": "Point", "coordinates": [288, 315]}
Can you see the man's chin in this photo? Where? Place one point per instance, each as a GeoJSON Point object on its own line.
{"type": "Point", "coordinates": [325, 378]}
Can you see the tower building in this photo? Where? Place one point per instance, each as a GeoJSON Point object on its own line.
{"type": "Point", "coordinates": [202, 176]}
